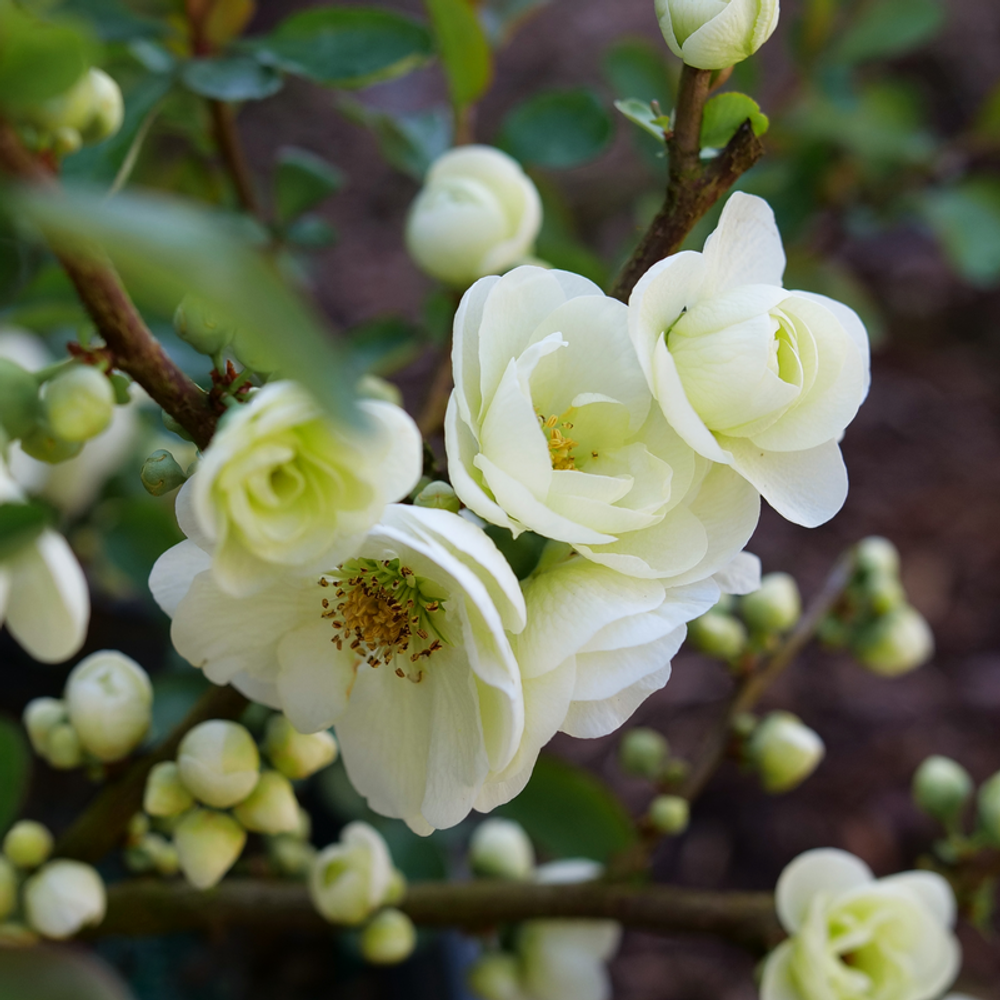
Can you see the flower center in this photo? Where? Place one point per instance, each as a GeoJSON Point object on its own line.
{"type": "Point", "coordinates": [560, 446]}
{"type": "Point", "coordinates": [384, 612]}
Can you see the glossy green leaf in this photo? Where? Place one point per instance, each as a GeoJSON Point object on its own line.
{"type": "Point", "coordinates": [301, 181]}
{"type": "Point", "coordinates": [383, 346]}
{"type": "Point", "coordinates": [501, 18]}
{"type": "Point", "coordinates": [642, 114]}
{"type": "Point", "coordinates": [15, 771]}
{"type": "Point", "coordinates": [311, 232]}
{"type": "Point", "coordinates": [347, 46]}
{"type": "Point", "coordinates": [51, 972]}
{"type": "Point", "coordinates": [20, 525]}
{"type": "Point", "coordinates": [966, 219]}
{"type": "Point", "coordinates": [231, 78]}
{"type": "Point", "coordinates": [560, 128]}
{"type": "Point", "coordinates": [636, 67]}
{"type": "Point", "coordinates": [113, 21]}
{"type": "Point", "coordinates": [464, 50]}
{"type": "Point", "coordinates": [888, 28]}
{"type": "Point", "coordinates": [724, 114]}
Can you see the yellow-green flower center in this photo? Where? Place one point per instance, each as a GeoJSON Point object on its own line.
{"type": "Point", "coordinates": [560, 444]}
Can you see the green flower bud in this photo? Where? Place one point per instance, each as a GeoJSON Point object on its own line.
{"type": "Point", "coordinates": [208, 844]}
{"type": "Point", "coordinates": [40, 717]}
{"type": "Point", "coordinates": [290, 855]}
{"type": "Point", "coordinates": [166, 794]}
{"type": "Point", "coordinates": [877, 555]}
{"type": "Point", "coordinates": [219, 763]}
{"type": "Point", "coordinates": [718, 635]}
{"type": "Point", "coordinates": [784, 752]}
{"type": "Point", "coordinates": [161, 474]}
{"type": "Point", "coordinates": [989, 808]}
{"type": "Point", "coordinates": [19, 406]}
{"type": "Point", "coordinates": [643, 752]}
{"type": "Point", "coordinates": [28, 844]}
{"type": "Point", "coordinates": [63, 897]}
{"type": "Point", "coordinates": [8, 889]}
{"type": "Point", "coordinates": [396, 892]}
{"type": "Point", "coordinates": [66, 141]}
{"type": "Point", "coordinates": [271, 807]}
{"type": "Point", "coordinates": [501, 849]}
{"type": "Point", "coordinates": [107, 107]}
{"type": "Point", "coordinates": [884, 592]}
{"type": "Point", "coordinates": [40, 443]}
{"type": "Point", "coordinates": [78, 403]}
{"type": "Point", "coordinates": [496, 976]}
{"type": "Point", "coordinates": [775, 607]}
{"type": "Point", "coordinates": [297, 755]}
{"type": "Point", "coordinates": [138, 826]}
{"type": "Point", "coordinates": [389, 939]}
{"type": "Point", "coordinates": [162, 854]}
{"type": "Point", "coordinates": [73, 108]}
{"type": "Point", "coordinates": [941, 787]}
{"type": "Point", "coordinates": [669, 814]}
{"type": "Point", "coordinates": [62, 749]}
{"type": "Point", "coordinates": [439, 495]}
{"type": "Point", "coordinates": [199, 325]}
{"type": "Point", "coordinates": [895, 643]}
{"type": "Point", "coordinates": [373, 387]}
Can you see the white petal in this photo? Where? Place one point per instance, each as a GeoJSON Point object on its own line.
{"type": "Point", "coordinates": [745, 248]}
{"type": "Point", "coordinates": [777, 982]}
{"type": "Point", "coordinates": [173, 573]}
{"type": "Point", "coordinates": [261, 691]}
{"type": "Point", "coordinates": [603, 674]}
{"type": "Point", "coordinates": [931, 889]}
{"type": "Point", "coordinates": [823, 869]}
{"type": "Point", "coordinates": [188, 519]}
{"type": "Point", "coordinates": [590, 719]}
{"type": "Point", "coordinates": [851, 322]}
{"type": "Point", "coordinates": [741, 575]}
{"type": "Point", "coordinates": [315, 677]}
{"type": "Point", "coordinates": [465, 349]}
{"type": "Point", "coordinates": [396, 434]}
{"type": "Point", "coordinates": [729, 38]}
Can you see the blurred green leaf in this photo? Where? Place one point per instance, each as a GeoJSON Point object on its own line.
{"type": "Point", "coordinates": [15, 770]}
{"type": "Point", "coordinates": [501, 18]}
{"type": "Point", "coordinates": [301, 181]}
{"type": "Point", "coordinates": [560, 128]}
{"type": "Point", "coordinates": [559, 243]}
{"type": "Point", "coordinates": [636, 68]}
{"type": "Point", "coordinates": [347, 46]}
{"type": "Point", "coordinates": [136, 531]}
{"type": "Point", "coordinates": [112, 20]}
{"type": "Point", "coordinates": [465, 53]}
{"type": "Point", "coordinates": [231, 78]}
{"type": "Point", "coordinates": [570, 813]}
{"type": "Point", "coordinates": [58, 973]}
{"type": "Point", "coordinates": [311, 232]}
{"type": "Point", "coordinates": [966, 219]}
{"type": "Point", "coordinates": [643, 115]}
{"type": "Point", "coordinates": [383, 346]}
{"type": "Point", "coordinates": [887, 28]}
{"type": "Point", "coordinates": [20, 525]}
{"type": "Point", "coordinates": [988, 118]}
{"type": "Point", "coordinates": [175, 693]}
{"type": "Point", "coordinates": [724, 114]}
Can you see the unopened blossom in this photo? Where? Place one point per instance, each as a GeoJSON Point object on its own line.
{"type": "Point", "coordinates": [351, 879]}
{"type": "Point", "coordinates": [551, 428]}
{"type": "Point", "coordinates": [403, 647]}
{"type": "Point", "coordinates": [715, 34]}
{"type": "Point", "coordinates": [208, 844]}
{"type": "Point", "coordinates": [752, 376]}
{"type": "Point", "coordinates": [62, 898]}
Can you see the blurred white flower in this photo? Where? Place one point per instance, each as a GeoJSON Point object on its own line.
{"type": "Point", "coordinates": [62, 898]}
{"type": "Point", "coordinates": [351, 879]}
{"type": "Point", "coordinates": [715, 34]}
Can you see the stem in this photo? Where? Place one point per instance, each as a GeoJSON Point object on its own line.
{"type": "Point", "coordinates": [431, 418]}
{"type": "Point", "coordinates": [227, 138]}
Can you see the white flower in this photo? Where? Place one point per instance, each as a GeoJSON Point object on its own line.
{"type": "Point", "coordinates": [551, 428]}
{"type": "Point", "coordinates": [477, 214]}
{"type": "Point", "coordinates": [854, 937]}
{"type": "Point", "coordinates": [63, 897]}
{"type": "Point", "coordinates": [750, 375]}
{"type": "Point", "coordinates": [282, 487]}
{"type": "Point", "coordinates": [714, 34]}
{"type": "Point", "coordinates": [403, 648]}
{"type": "Point", "coordinates": [351, 879]}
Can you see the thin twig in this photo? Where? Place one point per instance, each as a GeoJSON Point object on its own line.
{"type": "Point", "coordinates": [431, 417]}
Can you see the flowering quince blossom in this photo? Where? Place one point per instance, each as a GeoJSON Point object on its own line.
{"type": "Point", "coordinates": [403, 647]}
{"type": "Point", "coordinates": [855, 937]}
{"type": "Point", "coordinates": [281, 487]}
{"type": "Point", "coordinates": [551, 428]}
{"type": "Point", "coordinates": [750, 375]}
{"type": "Point", "coordinates": [715, 34]}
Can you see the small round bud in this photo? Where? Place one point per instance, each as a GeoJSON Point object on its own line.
{"type": "Point", "coordinates": [73, 108]}
{"type": "Point", "coordinates": [501, 849]}
{"type": "Point", "coordinates": [271, 807]}
{"type": "Point", "coordinates": [290, 855]}
{"type": "Point", "coordinates": [721, 636]}
{"type": "Point", "coordinates": [884, 592]}
{"type": "Point", "coordinates": [297, 755]}
{"type": "Point", "coordinates": [41, 716]}
{"type": "Point", "coordinates": [41, 444]}
{"type": "Point", "coordinates": [166, 794]}
{"type": "Point", "coordinates": [138, 827]}
{"type": "Point", "coordinates": [78, 403]}
{"type": "Point", "coordinates": [19, 406]}
{"type": "Point", "coordinates": [895, 643]}
{"type": "Point", "coordinates": [643, 752]}
{"type": "Point", "coordinates": [876, 555]}
{"type": "Point", "coordinates": [389, 939]}
{"type": "Point", "coordinates": [219, 763]}
{"type": "Point", "coordinates": [110, 702]}
{"type": "Point", "coordinates": [784, 751]}
{"type": "Point", "coordinates": [62, 898]}
{"type": "Point", "coordinates": [62, 749]}
{"type": "Point", "coordinates": [28, 844]}
{"type": "Point", "coordinates": [439, 495]}
{"type": "Point", "coordinates": [941, 787]}
{"type": "Point", "coordinates": [161, 474]}
{"type": "Point", "coordinates": [208, 844]}
{"type": "Point", "coordinates": [107, 107]}
{"type": "Point", "coordinates": [496, 976]}
{"type": "Point", "coordinates": [8, 889]}
{"type": "Point", "coordinates": [989, 808]}
{"type": "Point", "coordinates": [198, 324]}
{"type": "Point", "coordinates": [66, 141]}
{"type": "Point", "coordinates": [396, 892]}
{"type": "Point", "coordinates": [775, 607]}
{"type": "Point", "coordinates": [162, 854]}
{"type": "Point", "coordinates": [669, 814]}
{"type": "Point", "coordinates": [350, 880]}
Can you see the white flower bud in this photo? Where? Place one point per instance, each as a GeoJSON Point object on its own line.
{"type": "Point", "coordinates": [41, 716]}
{"type": "Point", "coordinates": [501, 849]}
{"type": "Point", "coordinates": [41, 444]}
{"type": "Point", "coordinates": [717, 34]}
{"type": "Point", "coordinates": [877, 555]}
{"type": "Point", "coordinates": [219, 763]}
{"type": "Point", "coordinates": [895, 643]}
{"type": "Point", "coordinates": [107, 107]}
{"type": "Point", "coordinates": [643, 752]}
{"type": "Point", "coordinates": [271, 807]}
{"type": "Point", "coordinates": [351, 879]}
{"type": "Point", "coordinates": [166, 794]}
{"type": "Point", "coordinates": [110, 701]}
{"type": "Point", "coordinates": [290, 855]}
{"type": "Point", "coordinates": [941, 787]}
{"type": "Point", "coordinates": [718, 635]}
{"type": "Point", "coordinates": [208, 844]}
{"type": "Point", "coordinates": [297, 755]}
{"type": "Point", "coordinates": [440, 495]}
{"type": "Point", "coordinates": [78, 403]}
{"type": "Point", "coordinates": [62, 749]}
{"type": "Point", "coordinates": [784, 751]}
{"type": "Point", "coordinates": [389, 939]}
{"type": "Point", "coordinates": [62, 898]}
{"type": "Point", "coordinates": [775, 607]}
{"type": "Point", "coordinates": [669, 814]}
{"type": "Point", "coordinates": [8, 889]}
{"type": "Point", "coordinates": [989, 807]}
{"type": "Point", "coordinates": [495, 976]}
{"type": "Point", "coordinates": [28, 844]}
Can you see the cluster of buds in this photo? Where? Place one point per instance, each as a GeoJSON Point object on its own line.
{"type": "Point", "coordinates": [781, 749]}
{"type": "Point", "coordinates": [103, 715]}
{"type": "Point", "coordinates": [942, 788]}
{"type": "Point", "coordinates": [645, 753]}
{"type": "Point", "coordinates": [54, 899]}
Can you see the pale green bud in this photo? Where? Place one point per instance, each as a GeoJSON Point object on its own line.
{"type": "Point", "coordinates": [941, 787]}
{"type": "Point", "coordinates": [349, 880]}
{"type": "Point", "coordinates": [876, 555]}
{"type": "Point", "coordinates": [73, 108]}
{"type": "Point", "coordinates": [201, 326]}
{"type": "Point", "coordinates": [643, 752]}
{"type": "Point", "coordinates": [396, 892]}
{"type": "Point", "coordinates": [110, 702]}
{"type": "Point", "coordinates": [8, 889]}
{"type": "Point", "coordinates": [775, 607]}
{"type": "Point", "coordinates": [66, 141]}
{"type": "Point", "coordinates": [271, 807]}
{"type": "Point", "coordinates": [138, 827]}
{"type": "Point", "coordinates": [219, 763]}
{"type": "Point", "coordinates": [716, 35]}
{"type": "Point", "coordinates": [290, 855]}
{"type": "Point", "coordinates": [78, 403]}
{"type": "Point", "coordinates": [107, 107]}
{"type": "Point", "coordinates": [439, 495]}
{"type": "Point", "coordinates": [19, 406]}
{"type": "Point", "coordinates": [27, 844]}
{"type": "Point", "coordinates": [40, 443]}
{"type": "Point", "coordinates": [718, 635]}
{"type": "Point", "coordinates": [989, 807]}
{"type": "Point", "coordinates": [895, 643]}
{"type": "Point", "coordinates": [166, 794]}
{"type": "Point", "coordinates": [297, 755]}
{"type": "Point", "coordinates": [669, 814]}
{"type": "Point", "coordinates": [63, 750]}
{"type": "Point", "coordinates": [41, 716]}
{"type": "Point", "coordinates": [885, 592]}
{"type": "Point", "coordinates": [162, 853]}
{"type": "Point", "coordinates": [496, 976]}
{"type": "Point", "coordinates": [62, 898]}
{"type": "Point", "coordinates": [500, 848]}
{"type": "Point", "coordinates": [208, 844]}
{"type": "Point", "coordinates": [161, 474]}
{"type": "Point", "coordinates": [389, 939]}
{"type": "Point", "coordinates": [373, 387]}
{"type": "Point", "coordinates": [784, 751]}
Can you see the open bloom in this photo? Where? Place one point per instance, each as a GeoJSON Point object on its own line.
{"type": "Point", "coordinates": [551, 428]}
{"type": "Point", "coordinates": [714, 34]}
{"type": "Point", "coordinates": [748, 374]}
{"type": "Point", "coordinates": [855, 937]}
{"type": "Point", "coordinates": [403, 647]}
{"type": "Point", "coordinates": [282, 487]}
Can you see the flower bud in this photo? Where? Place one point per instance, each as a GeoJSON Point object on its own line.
{"type": "Point", "coordinates": [41, 444]}
{"type": "Point", "coordinates": [78, 403]}
{"type": "Point", "coordinates": [201, 327]}
{"type": "Point", "coordinates": [895, 643]}
{"type": "Point", "coordinates": [643, 752]}
{"type": "Point", "coordinates": [718, 635]}
{"type": "Point", "coordinates": [875, 555]}
{"type": "Point", "coordinates": [107, 107]}
{"type": "Point", "coordinates": [775, 607]}
{"type": "Point", "coordinates": [110, 702]}
{"type": "Point", "coordinates": [73, 108]}
{"type": "Point", "coordinates": [19, 407]}
{"type": "Point", "coordinates": [501, 849]}
{"type": "Point", "coordinates": [716, 35]}
{"type": "Point", "coordinates": [208, 844]}
{"type": "Point", "coordinates": [351, 879]}
{"type": "Point", "coordinates": [290, 855]}
{"type": "Point", "coordinates": [138, 827]}
{"type": "Point", "coordinates": [374, 387]}
{"type": "Point", "coordinates": [439, 495]}
{"type": "Point", "coordinates": [28, 844]}
{"type": "Point", "coordinates": [63, 750]}
{"type": "Point", "coordinates": [669, 814]}
{"type": "Point", "coordinates": [219, 763]}
{"type": "Point", "coordinates": [62, 898]}
{"type": "Point", "coordinates": [989, 808]}
{"type": "Point", "coordinates": [784, 751]}
{"type": "Point", "coordinates": [162, 854]}
{"type": "Point", "coordinates": [941, 787]}
{"type": "Point", "coordinates": [161, 474]}
{"type": "Point", "coordinates": [166, 794]}
{"type": "Point", "coordinates": [8, 889]}
{"type": "Point", "coordinates": [271, 807]}
{"type": "Point", "coordinates": [396, 892]}
{"type": "Point", "coordinates": [66, 141]}
{"type": "Point", "coordinates": [297, 755]}
{"type": "Point", "coordinates": [884, 592]}
{"type": "Point", "coordinates": [495, 976]}
{"type": "Point", "coordinates": [389, 939]}
{"type": "Point", "coordinates": [41, 716]}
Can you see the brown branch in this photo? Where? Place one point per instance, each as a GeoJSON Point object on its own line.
{"type": "Point", "coordinates": [227, 139]}
{"type": "Point", "coordinates": [431, 417]}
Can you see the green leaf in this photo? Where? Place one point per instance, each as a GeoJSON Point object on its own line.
{"type": "Point", "coordinates": [888, 28]}
{"type": "Point", "coordinates": [383, 346]}
{"type": "Point", "coordinates": [58, 973]}
{"type": "Point", "coordinates": [302, 180]}
{"type": "Point", "coordinates": [966, 219]}
{"type": "Point", "coordinates": [311, 232]}
{"type": "Point", "coordinates": [175, 693]}
{"type": "Point", "coordinates": [643, 115]}
{"type": "Point", "coordinates": [112, 20]}
{"type": "Point", "coordinates": [20, 525]}
{"type": "Point", "coordinates": [231, 78]}
{"type": "Point", "coordinates": [15, 771]}
{"type": "Point", "coordinates": [347, 46]}
{"type": "Point", "coordinates": [501, 18]}
{"type": "Point", "coordinates": [570, 813]}
{"type": "Point", "coordinates": [724, 114]}
{"type": "Point", "coordinates": [464, 51]}
{"type": "Point", "coordinates": [636, 68]}
{"type": "Point", "coordinates": [561, 128]}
